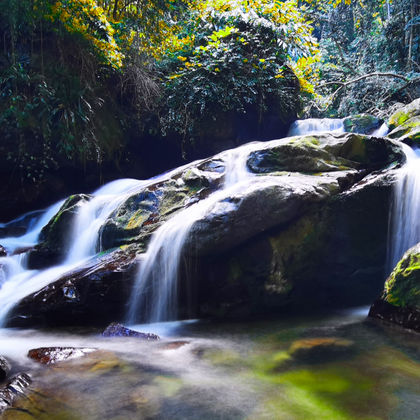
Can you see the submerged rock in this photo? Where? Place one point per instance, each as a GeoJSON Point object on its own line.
{"type": "Point", "coordinates": [4, 368]}
{"type": "Point", "coordinates": [320, 349]}
{"type": "Point", "coordinates": [3, 252]}
{"type": "Point", "coordinates": [118, 330]}
{"type": "Point", "coordinates": [400, 300]}
{"type": "Point", "coordinates": [52, 355]}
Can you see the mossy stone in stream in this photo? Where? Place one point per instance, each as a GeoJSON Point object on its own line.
{"type": "Point", "coordinates": [408, 132]}
{"type": "Point", "coordinates": [400, 301]}
{"type": "Point", "coordinates": [361, 123]}
{"type": "Point", "coordinates": [403, 114]}
{"type": "Point", "coordinates": [324, 153]}
{"type": "Point", "coordinates": [402, 287]}
{"type": "Point", "coordinates": [56, 235]}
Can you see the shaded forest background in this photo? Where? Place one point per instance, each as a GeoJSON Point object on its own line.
{"type": "Point", "coordinates": [96, 90]}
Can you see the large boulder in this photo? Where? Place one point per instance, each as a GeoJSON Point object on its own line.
{"type": "Point", "coordinates": [306, 230]}
{"type": "Point", "coordinates": [400, 300]}
{"type": "Point", "coordinates": [404, 123]}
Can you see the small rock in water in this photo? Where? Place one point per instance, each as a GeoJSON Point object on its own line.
{"type": "Point", "coordinates": [319, 349]}
{"type": "Point", "coordinates": [118, 330]}
{"type": "Point", "coordinates": [14, 388]}
{"type": "Point", "coordinates": [4, 368]}
{"type": "Point", "coordinates": [51, 355]}
{"type": "Point", "coordinates": [174, 345]}
{"type": "Point", "coordinates": [3, 252]}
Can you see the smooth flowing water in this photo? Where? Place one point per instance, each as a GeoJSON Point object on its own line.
{"type": "Point", "coordinates": [17, 281]}
{"type": "Point", "coordinates": [206, 371]}
{"type": "Point", "coordinates": [316, 125]}
{"type": "Point", "coordinates": [404, 217]}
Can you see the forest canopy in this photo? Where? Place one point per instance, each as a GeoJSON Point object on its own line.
{"type": "Point", "coordinates": [77, 75]}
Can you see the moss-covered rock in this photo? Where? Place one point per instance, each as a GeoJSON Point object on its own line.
{"type": "Point", "coordinates": [403, 114]}
{"type": "Point", "coordinates": [362, 124]}
{"type": "Point", "coordinates": [402, 287]}
{"type": "Point", "coordinates": [407, 132]}
{"type": "Point", "coordinates": [400, 301]}
{"type": "Point", "coordinates": [405, 123]}
{"type": "Point", "coordinates": [144, 211]}
{"type": "Point", "coordinates": [56, 235]}
{"type": "Point", "coordinates": [324, 153]}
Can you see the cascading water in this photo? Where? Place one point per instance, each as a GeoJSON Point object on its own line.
{"type": "Point", "coordinates": [405, 210]}
{"type": "Point", "coordinates": [155, 292]}
{"type": "Point", "coordinates": [18, 282]}
{"type": "Point", "coordinates": [315, 125]}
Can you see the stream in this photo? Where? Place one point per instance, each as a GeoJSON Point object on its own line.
{"type": "Point", "coordinates": [211, 371]}
{"type": "Point", "coordinates": [258, 369]}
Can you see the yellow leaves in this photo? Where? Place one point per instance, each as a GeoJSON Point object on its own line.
{"type": "Point", "coordinates": [78, 15]}
{"type": "Point", "coordinates": [181, 58]}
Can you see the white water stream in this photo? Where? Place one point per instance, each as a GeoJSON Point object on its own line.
{"type": "Point", "coordinates": [405, 210]}
{"type": "Point", "coordinates": [155, 294]}
{"type": "Point", "coordinates": [315, 125]}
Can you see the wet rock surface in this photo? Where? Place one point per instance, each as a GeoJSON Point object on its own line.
{"type": "Point", "coordinates": [16, 387]}
{"type": "Point", "coordinates": [400, 300]}
{"type": "Point", "coordinates": [404, 124]}
{"type": "Point", "coordinates": [3, 252]}
{"type": "Point", "coordinates": [315, 350]}
{"type": "Point", "coordinates": [118, 330]}
{"type": "Point", "coordinates": [55, 236]}
{"type": "Point", "coordinates": [4, 368]}
{"type": "Point", "coordinates": [94, 294]}
{"type": "Point", "coordinates": [305, 229]}
{"type": "Point", "coordinates": [52, 355]}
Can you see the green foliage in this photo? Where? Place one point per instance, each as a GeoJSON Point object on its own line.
{"type": "Point", "coordinates": [239, 56]}
{"type": "Point", "coordinates": [363, 38]}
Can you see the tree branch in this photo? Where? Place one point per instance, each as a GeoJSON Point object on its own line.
{"type": "Point", "coordinates": [365, 76]}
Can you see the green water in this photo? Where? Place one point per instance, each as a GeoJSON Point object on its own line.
{"type": "Point", "coordinates": [273, 369]}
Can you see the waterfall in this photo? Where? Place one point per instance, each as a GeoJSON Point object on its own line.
{"type": "Point", "coordinates": [382, 131]}
{"type": "Point", "coordinates": [155, 293]}
{"type": "Point", "coordinates": [315, 125]}
{"type": "Point", "coordinates": [404, 226]}
{"type": "Point", "coordinates": [17, 282]}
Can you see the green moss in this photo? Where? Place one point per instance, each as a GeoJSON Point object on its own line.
{"type": "Point", "coordinates": [409, 130]}
{"type": "Point", "coordinates": [402, 288]}
{"type": "Point", "coordinates": [403, 114]}
{"type": "Point", "coordinates": [362, 123]}
{"type": "Point", "coordinates": [137, 219]}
